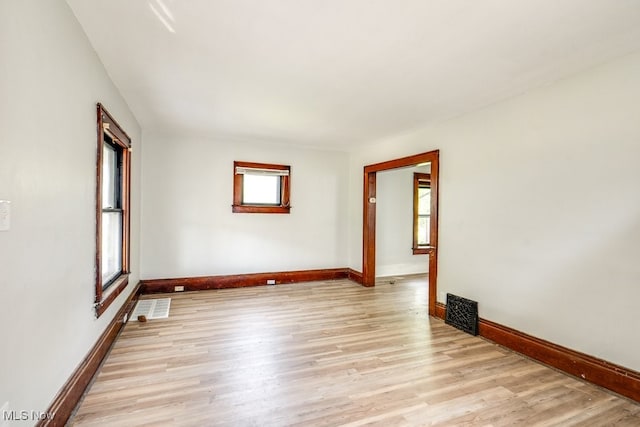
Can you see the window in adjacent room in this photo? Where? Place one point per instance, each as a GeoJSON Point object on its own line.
{"type": "Point", "coordinates": [421, 212]}
{"type": "Point", "coordinates": [260, 188]}
{"type": "Point", "coordinates": [112, 211]}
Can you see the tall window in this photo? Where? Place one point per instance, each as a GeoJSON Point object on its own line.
{"type": "Point", "coordinates": [421, 212]}
{"type": "Point", "coordinates": [112, 213]}
{"type": "Point", "coordinates": [261, 188]}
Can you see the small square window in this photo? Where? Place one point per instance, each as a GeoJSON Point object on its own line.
{"type": "Point", "coordinates": [260, 188]}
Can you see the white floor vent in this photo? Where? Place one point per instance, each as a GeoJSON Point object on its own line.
{"type": "Point", "coordinates": [152, 309]}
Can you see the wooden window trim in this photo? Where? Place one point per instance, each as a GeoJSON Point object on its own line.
{"type": "Point", "coordinates": [238, 181]}
{"type": "Point", "coordinates": [106, 124]}
{"type": "Point", "coordinates": [369, 218]}
{"type": "Point", "coordinates": [419, 179]}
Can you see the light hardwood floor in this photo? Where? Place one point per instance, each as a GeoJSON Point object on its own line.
{"type": "Point", "coordinates": [328, 354]}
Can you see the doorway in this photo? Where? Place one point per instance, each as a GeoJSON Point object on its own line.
{"type": "Point", "coordinates": [430, 158]}
{"type": "Point", "coordinates": [403, 204]}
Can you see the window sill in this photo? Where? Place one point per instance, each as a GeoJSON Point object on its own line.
{"type": "Point", "coordinates": [112, 293]}
{"type": "Point", "coordinates": [261, 209]}
{"type": "Point", "coordinates": [421, 251]}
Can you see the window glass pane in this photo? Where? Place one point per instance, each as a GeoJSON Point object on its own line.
{"type": "Point", "coordinates": [424, 224]}
{"type": "Point", "coordinates": [111, 245]}
{"type": "Point", "coordinates": [424, 201]}
{"type": "Point", "coordinates": [261, 190]}
{"type": "Point", "coordinates": [109, 176]}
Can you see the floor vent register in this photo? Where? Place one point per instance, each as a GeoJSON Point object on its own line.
{"type": "Point", "coordinates": [462, 313]}
{"type": "Point", "coordinates": [151, 309]}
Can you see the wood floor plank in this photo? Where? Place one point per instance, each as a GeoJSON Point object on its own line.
{"type": "Point", "coordinates": [327, 354]}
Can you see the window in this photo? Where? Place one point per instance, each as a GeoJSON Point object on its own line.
{"type": "Point", "coordinates": [112, 210]}
{"type": "Point", "coordinates": [421, 213]}
{"type": "Point", "coordinates": [260, 188]}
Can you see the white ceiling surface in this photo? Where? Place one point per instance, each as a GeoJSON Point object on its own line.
{"type": "Point", "coordinates": [339, 73]}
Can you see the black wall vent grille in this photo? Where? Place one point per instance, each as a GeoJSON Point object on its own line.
{"type": "Point", "coordinates": [462, 313]}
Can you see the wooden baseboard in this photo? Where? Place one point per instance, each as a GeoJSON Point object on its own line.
{"type": "Point", "coordinates": [68, 397]}
{"type": "Point", "coordinates": [240, 280]}
{"type": "Point", "coordinates": [621, 380]}
{"type": "Point", "coordinates": [441, 310]}
{"type": "Point", "coordinates": [354, 276]}
{"type": "Point", "coordinates": [608, 375]}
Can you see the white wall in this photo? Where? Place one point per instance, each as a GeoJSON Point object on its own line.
{"type": "Point", "coordinates": [189, 229]}
{"type": "Point", "coordinates": [50, 81]}
{"type": "Point", "coordinates": [540, 209]}
{"type": "Point", "coordinates": [394, 224]}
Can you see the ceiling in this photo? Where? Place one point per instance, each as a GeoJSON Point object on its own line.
{"type": "Point", "coordinates": [340, 73]}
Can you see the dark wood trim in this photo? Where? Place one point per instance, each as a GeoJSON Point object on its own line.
{"type": "Point", "coordinates": [369, 231]}
{"type": "Point", "coordinates": [434, 234]}
{"type": "Point", "coordinates": [126, 211]}
{"type": "Point", "coordinates": [608, 375]}
{"type": "Point", "coordinates": [354, 276]}
{"type": "Point", "coordinates": [419, 180]}
{"type": "Point", "coordinates": [614, 377]}
{"type": "Point", "coordinates": [402, 162]}
{"type": "Point", "coordinates": [70, 394]}
{"type": "Point", "coordinates": [420, 251]}
{"type": "Point", "coordinates": [369, 218]}
{"type": "Point", "coordinates": [237, 188]}
{"type": "Point", "coordinates": [423, 179]}
{"type": "Point", "coordinates": [238, 205]}
{"type": "Point", "coordinates": [98, 257]}
{"type": "Point", "coordinates": [118, 286]}
{"type": "Point", "coordinates": [285, 190]}
{"type": "Point", "coordinates": [114, 128]}
{"type": "Point", "coordinates": [106, 124]}
{"type": "Point", "coordinates": [241, 280]}
{"type": "Point", "coordinates": [440, 310]}
{"type": "Point", "coordinates": [260, 209]}
{"type": "Point", "coordinates": [260, 166]}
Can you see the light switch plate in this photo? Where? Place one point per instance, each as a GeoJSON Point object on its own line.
{"type": "Point", "coordinates": [5, 215]}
